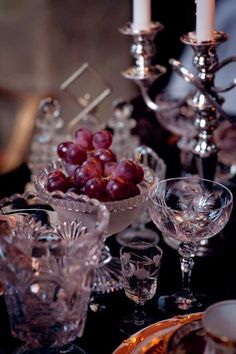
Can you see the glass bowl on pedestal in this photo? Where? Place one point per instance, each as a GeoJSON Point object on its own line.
{"type": "Point", "coordinates": [188, 209]}
{"type": "Point", "coordinates": [122, 213]}
{"type": "Point", "coordinates": [47, 268]}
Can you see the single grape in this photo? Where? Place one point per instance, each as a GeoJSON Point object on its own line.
{"type": "Point", "coordinates": [118, 188]}
{"type": "Point", "coordinates": [62, 149]}
{"type": "Point", "coordinates": [108, 168]}
{"type": "Point", "coordinates": [139, 173]}
{"type": "Point", "coordinates": [134, 190]}
{"type": "Point", "coordinates": [126, 169]}
{"type": "Point", "coordinates": [96, 163]}
{"type": "Point", "coordinates": [105, 155]}
{"type": "Point", "coordinates": [95, 187]}
{"type": "Point", "coordinates": [57, 183]}
{"type": "Point", "coordinates": [83, 137]}
{"type": "Point", "coordinates": [76, 154]}
{"type": "Point", "coordinates": [56, 173]}
{"type": "Point", "coordinates": [84, 173]}
{"type": "Point", "coordinates": [71, 182]}
{"type": "Point", "coordinates": [72, 186]}
{"type": "Point", "coordinates": [102, 139]}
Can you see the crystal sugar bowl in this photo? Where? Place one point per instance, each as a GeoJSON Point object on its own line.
{"type": "Point", "coordinates": [47, 270]}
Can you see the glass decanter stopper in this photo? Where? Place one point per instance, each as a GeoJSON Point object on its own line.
{"type": "Point", "coordinates": [122, 124]}
{"type": "Point", "coordinates": [46, 137]}
{"type": "Point", "coordinates": [48, 120]}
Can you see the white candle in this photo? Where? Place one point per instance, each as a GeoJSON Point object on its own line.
{"type": "Point", "coordinates": [205, 20]}
{"type": "Point", "coordinates": [141, 14]}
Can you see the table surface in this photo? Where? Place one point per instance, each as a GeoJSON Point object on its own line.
{"type": "Point", "coordinates": [212, 275]}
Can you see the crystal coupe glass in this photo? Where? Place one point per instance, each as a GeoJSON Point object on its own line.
{"type": "Point", "coordinates": [122, 213]}
{"type": "Point", "coordinates": [188, 209]}
{"type": "Point", "coordinates": [47, 271]}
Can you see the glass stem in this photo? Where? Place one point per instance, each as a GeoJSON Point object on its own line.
{"type": "Point", "coordinates": [187, 251]}
{"type": "Point", "coordinates": [139, 314]}
{"type": "Point", "coordinates": [186, 270]}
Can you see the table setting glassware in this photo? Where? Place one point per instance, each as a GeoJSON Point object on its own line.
{"type": "Point", "coordinates": [188, 209]}
{"type": "Point", "coordinates": [122, 213]}
{"type": "Point", "coordinates": [140, 263]}
{"type": "Point", "coordinates": [47, 271]}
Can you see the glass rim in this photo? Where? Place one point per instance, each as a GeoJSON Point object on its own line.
{"type": "Point", "coordinates": [71, 200]}
{"type": "Point", "coordinates": [139, 244]}
{"type": "Point", "coordinates": [155, 184]}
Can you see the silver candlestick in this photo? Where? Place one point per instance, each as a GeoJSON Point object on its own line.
{"type": "Point", "coordinates": [143, 72]}
{"type": "Point", "coordinates": [206, 102]}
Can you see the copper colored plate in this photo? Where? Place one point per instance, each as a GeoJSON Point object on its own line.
{"type": "Point", "coordinates": [154, 338]}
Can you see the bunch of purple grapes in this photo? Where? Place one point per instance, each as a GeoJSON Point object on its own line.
{"type": "Point", "coordinates": [92, 168]}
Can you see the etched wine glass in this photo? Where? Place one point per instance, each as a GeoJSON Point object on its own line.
{"type": "Point", "coordinates": [140, 262]}
{"type": "Point", "coordinates": [188, 209]}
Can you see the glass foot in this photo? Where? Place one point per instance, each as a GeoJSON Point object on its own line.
{"type": "Point", "coordinates": [108, 276]}
{"type": "Point", "coordinates": [67, 349]}
{"type": "Point", "coordinates": [133, 235]}
{"type": "Point", "coordinates": [180, 304]}
{"type": "Point", "coordinates": [129, 325]}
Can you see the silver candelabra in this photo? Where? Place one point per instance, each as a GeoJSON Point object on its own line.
{"type": "Point", "coordinates": [206, 102]}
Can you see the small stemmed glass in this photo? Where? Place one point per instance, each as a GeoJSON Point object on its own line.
{"type": "Point", "coordinates": [140, 263]}
{"type": "Point", "coordinates": [188, 209]}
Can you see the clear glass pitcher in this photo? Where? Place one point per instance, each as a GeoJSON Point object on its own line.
{"type": "Point", "coordinates": [47, 272]}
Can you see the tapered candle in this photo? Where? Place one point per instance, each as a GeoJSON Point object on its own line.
{"type": "Point", "coordinates": [141, 14]}
{"type": "Point", "coordinates": [205, 20]}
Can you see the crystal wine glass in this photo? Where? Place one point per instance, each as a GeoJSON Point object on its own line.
{"type": "Point", "coordinates": [47, 271]}
{"type": "Point", "coordinates": [122, 213]}
{"type": "Point", "coordinates": [188, 209]}
{"type": "Point", "coordinates": [140, 262]}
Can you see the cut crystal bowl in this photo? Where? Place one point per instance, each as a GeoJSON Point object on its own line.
{"type": "Point", "coordinates": [69, 204]}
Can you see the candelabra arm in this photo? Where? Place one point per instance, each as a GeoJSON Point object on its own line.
{"type": "Point", "coordinates": [164, 107]}
{"type": "Point", "coordinates": [189, 77]}
{"type": "Point", "coordinates": [222, 64]}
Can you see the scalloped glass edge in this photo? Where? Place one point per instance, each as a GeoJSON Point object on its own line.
{"type": "Point", "coordinates": [72, 201]}
{"type": "Point", "coordinates": [102, 213]}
